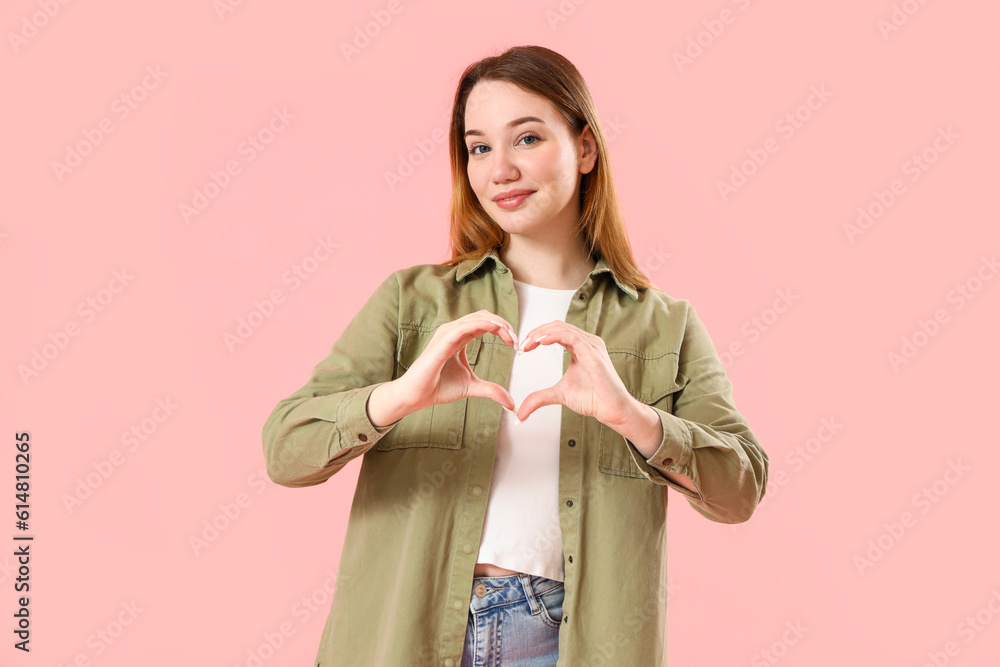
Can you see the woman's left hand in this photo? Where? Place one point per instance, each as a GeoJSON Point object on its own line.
{"type": "Point", "coordinates": [590, 386]}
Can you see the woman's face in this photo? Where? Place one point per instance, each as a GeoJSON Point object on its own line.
{"type": "Point", "coordinates": [520, 145]}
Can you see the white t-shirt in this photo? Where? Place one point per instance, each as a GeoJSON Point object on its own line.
{"type": "Point", "coordinates": [522, 530]}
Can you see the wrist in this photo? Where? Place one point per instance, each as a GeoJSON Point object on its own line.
{"type": "Point", "coordinates": [387, 405]}
{"type": "Point", "coordinates": [641, 427]}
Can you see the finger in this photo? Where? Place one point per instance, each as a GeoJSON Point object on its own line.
{"type": "Point", "coordinates": [537, 399]}
{"type": "Point", "coordinates": [531, 342]}
{"type": "Point", "coordinates": [550, 337]}
{"type": "Point", "coordinates": [555, 331]}
{"type": "Point", "coordinates": [575, 340]}
{"type": "Point", "coordinates": [508, 336]}
{"type": "Point", "coordinates": [464, 330]}
{"type": "Point", "coordinates": [492, 391]}
{"type": "Point", "coordinates": [499, 326]}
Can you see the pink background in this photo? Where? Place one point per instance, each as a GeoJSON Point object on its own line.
{"type": "Point", "coordinates": [676, 131]}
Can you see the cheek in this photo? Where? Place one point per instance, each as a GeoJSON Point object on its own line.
{"type": "Point", "coordinates": [477, 177]}
{"type": "Point", "coordinates": [556, 168]}
{"type": "Point", "coordinates": [565, 174]}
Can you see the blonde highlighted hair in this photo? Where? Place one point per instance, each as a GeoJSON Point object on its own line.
{"type": "Point", "coordinates": [545, 73]}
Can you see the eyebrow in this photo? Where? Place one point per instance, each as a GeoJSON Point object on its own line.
{"type": "Point", "coordinates": [513, 123]}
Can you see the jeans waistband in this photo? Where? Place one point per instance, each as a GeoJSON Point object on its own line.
{"type": "Point", "coordinates": [490, 592]}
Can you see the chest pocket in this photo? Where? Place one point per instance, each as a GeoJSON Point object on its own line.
{"type": "Point", "coordinates": [435, 426]}
{"type": "Point", "coordinates": [653, 380]}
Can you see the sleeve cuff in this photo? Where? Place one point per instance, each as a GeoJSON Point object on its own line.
{"type": "Point", "coordinates": [356, 429]}
{"type": "Point", "coordinates": [673, 455]}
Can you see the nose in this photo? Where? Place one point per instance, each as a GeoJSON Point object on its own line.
{"type": "Point", "coordinates": [504, 168]}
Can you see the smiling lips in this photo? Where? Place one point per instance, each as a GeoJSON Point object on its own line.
{"type": "Point", "coordinates": [512, 198]}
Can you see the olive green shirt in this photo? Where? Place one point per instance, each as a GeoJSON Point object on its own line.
{"type": "Point", "coordinates": [405, 576]}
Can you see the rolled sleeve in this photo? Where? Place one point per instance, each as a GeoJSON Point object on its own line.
{"type": "Point", "coordinates": [673, 454]}
{"type": "Point", "coordinates": [319, 429]}
{"type": "Point", "coordinates": [706, 438]}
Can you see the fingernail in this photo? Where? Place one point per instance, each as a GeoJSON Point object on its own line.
{"type": "Point", "coordinates": [512, 414]}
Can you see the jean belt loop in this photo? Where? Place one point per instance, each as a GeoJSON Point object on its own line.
{"type": "Point", "coordinates": [529, 594]}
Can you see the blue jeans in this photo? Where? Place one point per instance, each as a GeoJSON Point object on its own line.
{"type": "Point", "coordinates": [513, 622]}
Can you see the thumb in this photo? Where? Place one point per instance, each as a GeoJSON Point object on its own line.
{"type": "Point", "coordinates": [492, 391]}
{"type": "Point", "coordinates": [538, 399]}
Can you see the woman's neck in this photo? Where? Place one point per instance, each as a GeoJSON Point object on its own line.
{"type": "Point", "coordinates": [546, 266]}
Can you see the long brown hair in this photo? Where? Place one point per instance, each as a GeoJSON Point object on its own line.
{"type": "Point", "coordinates": [545, 73]}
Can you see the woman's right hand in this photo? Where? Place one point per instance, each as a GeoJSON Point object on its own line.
{"type": "Point", "coordinates": [441, 374]}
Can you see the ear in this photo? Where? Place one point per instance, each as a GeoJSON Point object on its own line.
{"type": "Point", "coordinates": [587, 145]}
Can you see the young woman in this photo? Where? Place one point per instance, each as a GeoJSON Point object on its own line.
{"type": "Point", "coordinates": [521, 410]}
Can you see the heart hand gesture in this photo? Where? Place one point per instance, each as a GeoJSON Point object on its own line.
{"type": "Point", "coordinates": [590, 386]}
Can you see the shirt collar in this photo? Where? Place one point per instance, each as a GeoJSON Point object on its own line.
{"type": "Point", "coordinates": [469, 265]}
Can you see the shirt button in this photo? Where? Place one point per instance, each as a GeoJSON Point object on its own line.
{"type": "Point", "coordinates": [569, 503]}
{"type": "Point", "coordinates": [467, 549]}
{"type": "Point", "coordinates": [570, 558]}
{"type": "Point", "coordinates": [456, 604]}
{"type": "Point", "coordinates": [449, 662]}
{"type": "Point", "coordinates": [362, 437]}
{"type": "Point", "coordinates": [668, 462]}
{"type": "Point", "coordinates": [477, 490]}
{"type": "Point", "coordinates": [571, 443]}
{"type": "Point", "coordinates": [582, 297]}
